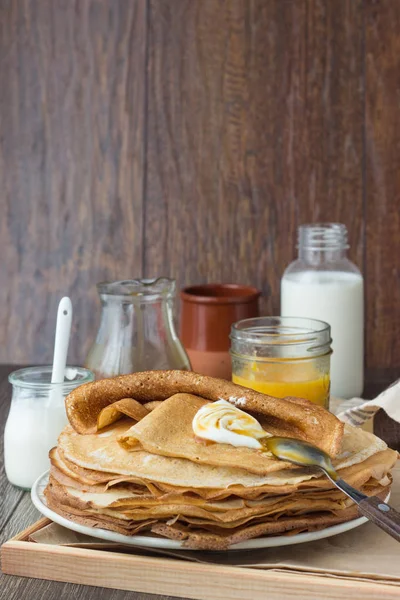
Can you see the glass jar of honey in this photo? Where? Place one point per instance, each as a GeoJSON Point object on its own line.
{"type": "Point", "coordinates": [283, 356]}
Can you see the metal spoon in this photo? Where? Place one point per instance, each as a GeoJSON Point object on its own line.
{"type": "Point", "coordinates": [307, 455]}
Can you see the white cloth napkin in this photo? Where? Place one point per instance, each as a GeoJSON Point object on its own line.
{"type": "Point", "coordinates": [356, 411]}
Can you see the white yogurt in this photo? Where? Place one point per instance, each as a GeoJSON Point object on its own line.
{"type": "Point", "coordinates": [225, 424]}
{"type": "Point", "coordinates": [31, 431]}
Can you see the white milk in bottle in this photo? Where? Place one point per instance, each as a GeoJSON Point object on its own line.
{"type": "Point", "coordinates": [324, 284]}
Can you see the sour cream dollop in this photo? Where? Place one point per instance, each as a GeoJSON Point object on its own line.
{"type": "Point", "coordinates": [225, 424]}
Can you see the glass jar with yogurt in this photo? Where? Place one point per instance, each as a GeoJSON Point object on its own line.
{"type": "Point", "coordinates": [324, 284]}
{"type": "Point", "coordinates": [36, 418]}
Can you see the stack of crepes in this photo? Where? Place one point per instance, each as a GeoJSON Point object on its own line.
{"type": "Point", "coordinates": [130, 462]}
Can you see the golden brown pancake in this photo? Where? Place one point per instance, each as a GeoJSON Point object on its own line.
{"type": "Point", "coordinates": [102, 460]}
{"type": "Point", "coordinates": [376, 466]}
{"type": "Point", "coordinates": [125, 407]}
{"type": "Point", "coordinates": [127, 500]}
{"type": "Point", "coordinates": [198, 527]}
{"type": "Point", "coordinates": [220, 539]}
{"type": "Point", "coordinates": [163, 481]}
{"type": "Point", "coordinates": [122, 502]}
{"type": "Point", "coordinates": [101, 452]}
{"type": "Point", "coordinates": [290, 417]}
{"type": "Point", "coordinates": [168, 431]}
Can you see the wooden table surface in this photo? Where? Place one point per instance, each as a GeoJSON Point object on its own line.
{"type": "Point", "coordinates": [17, 511]}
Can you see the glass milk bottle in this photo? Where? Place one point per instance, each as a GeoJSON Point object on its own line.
{"type": "Point", "coordinates": [324, 284]}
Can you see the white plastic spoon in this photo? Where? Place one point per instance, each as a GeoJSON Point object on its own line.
{"type": "Point", "coordinates": [56, 415]}
{"type": "Point", "coordinates": [61, 341]}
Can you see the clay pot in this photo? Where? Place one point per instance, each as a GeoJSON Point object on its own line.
{"type": "Point", "coordinates": [207, 313]}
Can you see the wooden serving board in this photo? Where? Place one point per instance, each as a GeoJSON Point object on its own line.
{"type": "Point", "coordinates": [174, 577]}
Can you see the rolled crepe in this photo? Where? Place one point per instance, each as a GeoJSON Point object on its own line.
{"type": "Point", "coordinates": [288, 417]}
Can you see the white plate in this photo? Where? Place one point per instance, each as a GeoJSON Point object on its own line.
{"type": "Point", "coordinates": [39, 501]}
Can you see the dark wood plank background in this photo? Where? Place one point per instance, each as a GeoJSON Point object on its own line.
{"type": "Point", "coordinates": [190, 138]}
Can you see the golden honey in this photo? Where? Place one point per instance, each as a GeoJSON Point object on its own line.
{"type": "Point", "coordinates": [283, 357]}
{"type": "Point", "coordinates": [301, 382]}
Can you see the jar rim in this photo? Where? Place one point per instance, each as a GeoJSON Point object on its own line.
{"type": "Point", "coordinates": [265, 328]}
{"type": "Point", "coordinates": [278, 359]}
{"type": "Point", "coordinates": [28, 377]}
{"type": "Point", "coordinates": [220, 293]}
{"type": "Point", "coordinates": [296, 337]}
{"type": "Point", "coordinates": [137, 287]}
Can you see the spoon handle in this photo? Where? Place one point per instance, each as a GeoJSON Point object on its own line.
{"type": "Point", "coordinates": [383, 515]}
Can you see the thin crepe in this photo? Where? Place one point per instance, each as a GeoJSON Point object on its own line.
{"type": "Point", "coordinates": [199, 528]}
{"type": "Point", "coordinates": [126, 407]}
{"type": "Point", "coordinates": [101, 453]}
{"type": "Point", "coordinates": [95, 481]}
{"type": "Point", "coordinates": [201, 539]}
{"type": "Point", "coordinates": [98, 459]}
{"type": "Point", "coordinates": [290, 417]}
{"type": "Point", "coordinates": [376, 466]}
{"type": "Point", "coordinates": [167, 431]}
{"type": "Point", "coordinates": [226, 513]}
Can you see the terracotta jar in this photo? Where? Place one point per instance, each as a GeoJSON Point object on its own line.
{"type": "Point", "coordinates": [207, 314]}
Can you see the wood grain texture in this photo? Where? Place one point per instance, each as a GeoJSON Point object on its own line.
{"type": "Point", "coordinates": [254, 126]}
{"type": "Point", "coordinates": [190, 138]}
{"type": "Point", "coordinates": [185, 579]}
{"type": "Point", "coordinates": [71, 163]}
{"type": "Point", "coordinates": [382, 181]}
{"type": "Point", "coordinates": [10, 497]}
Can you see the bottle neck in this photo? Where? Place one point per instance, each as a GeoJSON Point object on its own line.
{"type": "Point", "coordinates": [322, 243]}
{"type": "Point", "coordinates": [318, 256]}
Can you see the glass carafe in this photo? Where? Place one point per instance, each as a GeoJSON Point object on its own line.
{"type": "Point", "coordinates": [137, 331]}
